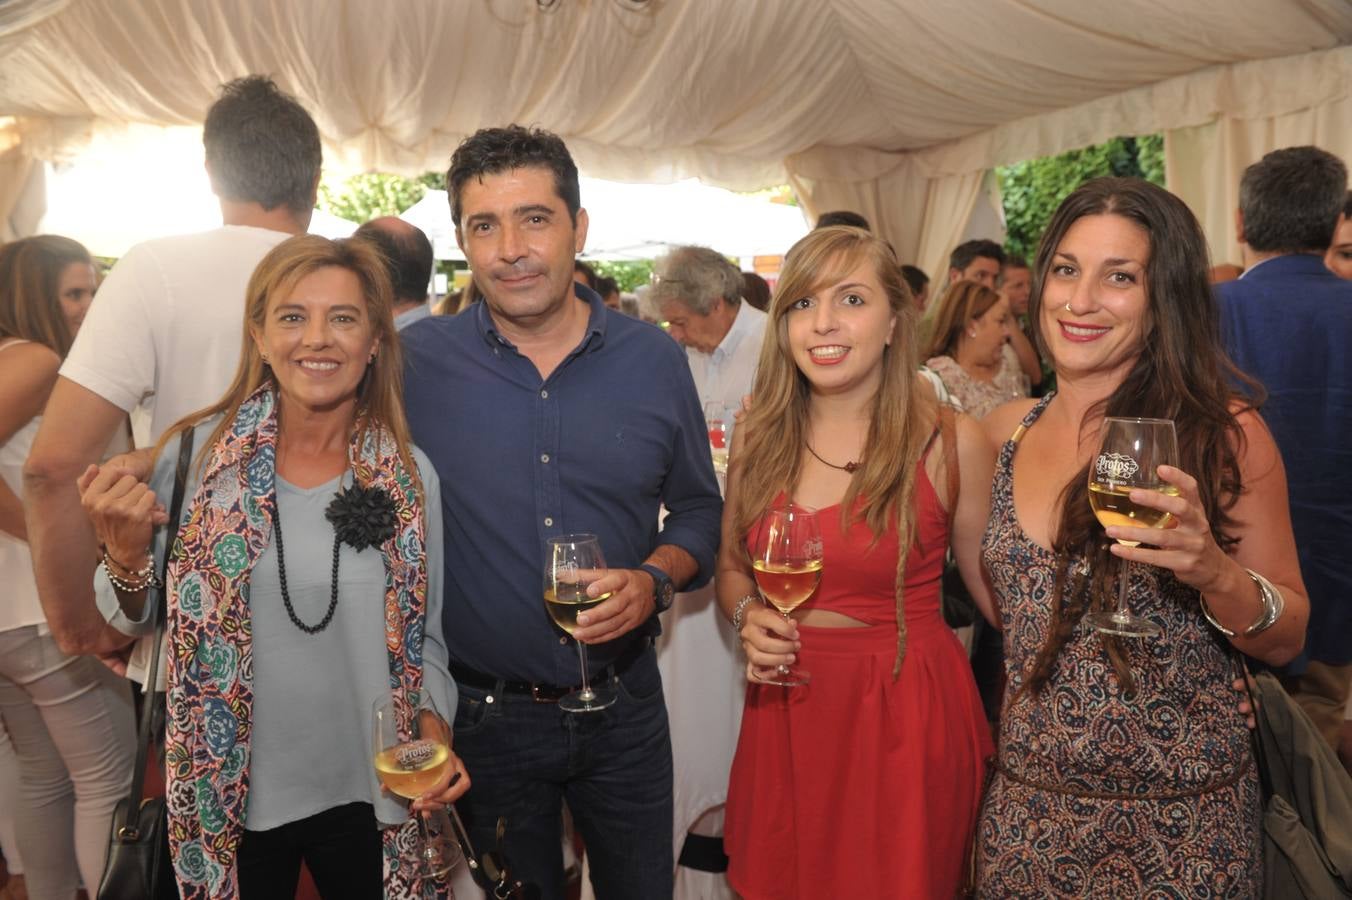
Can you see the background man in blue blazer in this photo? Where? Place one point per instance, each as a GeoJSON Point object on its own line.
{"type": "Point", "coordinates": [1288, 322]}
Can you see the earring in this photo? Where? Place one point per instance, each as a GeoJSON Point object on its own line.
{"type": "Point", "coordinates": [971, 332]}
{"type": "Point", "coordinates": [264, 357]}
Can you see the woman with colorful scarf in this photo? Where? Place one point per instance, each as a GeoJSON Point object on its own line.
{"type": "Point", "coordinates": [282, 630]}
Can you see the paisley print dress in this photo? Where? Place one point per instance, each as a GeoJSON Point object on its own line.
{"type": "Point", "coordinates": [1102, 795]}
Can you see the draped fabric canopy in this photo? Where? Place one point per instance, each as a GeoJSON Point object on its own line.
{"type": "Point", "coordinates": [892, 107]}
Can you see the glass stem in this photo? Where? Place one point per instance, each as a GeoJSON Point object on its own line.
{"type": "Point", "coordinates": [783, 667]}
{"type": "Point", "coordinates": [1124, 583]}
{"type": "Point", "coordinates": [586, 692]}
{"type": "Point", "coordinates": [424, 836]}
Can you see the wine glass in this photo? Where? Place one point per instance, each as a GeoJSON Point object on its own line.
{"type": "Point", "coordinates": [572, 562]}
{"type": "Point", "coordinates": [788, 567]}
{"type": "Point", "coordinates": [1129, 457]}
{"type": "Point", "coordinates": [716, 420]}
{"type": "Point", "coordinates": [408, 768]}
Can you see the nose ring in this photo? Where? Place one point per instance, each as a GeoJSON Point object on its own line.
{"type": "Point", "coordinates": [1067, 306]}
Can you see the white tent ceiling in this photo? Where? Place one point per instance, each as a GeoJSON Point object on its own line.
{"type": "Point", "coordinates": [738, 92]}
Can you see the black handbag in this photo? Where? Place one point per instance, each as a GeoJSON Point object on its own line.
{"type": "Point", "coordinates": [139, 866]}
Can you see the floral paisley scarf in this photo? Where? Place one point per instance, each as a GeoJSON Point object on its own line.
{"type": "Point", "coordinates": [210, 697]}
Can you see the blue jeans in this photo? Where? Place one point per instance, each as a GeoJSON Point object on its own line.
{"type": "Point", "coordinates": [612, 767]}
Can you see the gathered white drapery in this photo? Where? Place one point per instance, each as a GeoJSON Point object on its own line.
{"type": "Point", "coordinates": [892, 107]}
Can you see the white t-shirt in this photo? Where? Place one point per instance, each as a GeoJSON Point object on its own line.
{"type": "Point", "coordinates": [164, 333]}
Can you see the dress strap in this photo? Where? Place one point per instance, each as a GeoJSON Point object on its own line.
{"type": "Point", "coordinates": [1028, 420]}
{"type": "Point", "coordinates": [14, 343]}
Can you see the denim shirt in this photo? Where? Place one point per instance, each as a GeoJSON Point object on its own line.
{"type": "Point", "coordinates": [612, 435]}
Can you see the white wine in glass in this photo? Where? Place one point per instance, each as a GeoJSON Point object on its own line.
{"type": "Point", "coordinates": [572, 562]}
{"type": "Point", "coordinates": [788, 567]}
{"type": "Point", "coordinates": [1129, 457]}
{"type": "Point", "coordinates": [408, 768]}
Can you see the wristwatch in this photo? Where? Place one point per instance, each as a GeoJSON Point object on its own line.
{"type": "Point", "coordinates": [663, 590]}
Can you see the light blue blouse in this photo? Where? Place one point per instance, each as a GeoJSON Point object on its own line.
{"type": "Point", "coordinates": [313, 694]}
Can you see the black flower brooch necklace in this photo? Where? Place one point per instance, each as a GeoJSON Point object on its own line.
{"type": "Point", "coordinates": [361, 517]}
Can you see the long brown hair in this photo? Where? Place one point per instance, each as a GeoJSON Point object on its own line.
{"type": "Point", "coordinates": [1182, 373]}
{"type": "Point", "coordinates": [380, 397]}
{"type": "Point", "coordinates": [963, 302]}
{"type": "Point", "coordinates": [769, 459]}
{"type": "Point", "coordinates": [30, 289]}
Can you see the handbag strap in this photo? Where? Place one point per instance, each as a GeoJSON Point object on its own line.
{"type": "Point", "coordinates": [1255, 737]}
{"type": "Point", "coordinates": [156, 598]}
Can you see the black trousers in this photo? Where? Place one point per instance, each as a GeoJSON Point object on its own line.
{"type": "Point", "coordinates": [340, 846]}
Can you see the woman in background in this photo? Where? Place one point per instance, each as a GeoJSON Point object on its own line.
{"type": "Point", "coordinates": [971, 328]}
{"type": "Point", "coordinates": [69, 718]}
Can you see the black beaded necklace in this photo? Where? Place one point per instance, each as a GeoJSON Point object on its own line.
{"type": "Point", "coordinates": [281, 578]}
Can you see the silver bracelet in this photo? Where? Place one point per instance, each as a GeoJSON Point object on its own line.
{"type": "Point", "coordinates": [1273, 606]}
{"type": "Point", "coordinates": [739, 611]}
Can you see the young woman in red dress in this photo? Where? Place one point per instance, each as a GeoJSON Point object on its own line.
{"type": "Point", "coordinates": [864, 782]}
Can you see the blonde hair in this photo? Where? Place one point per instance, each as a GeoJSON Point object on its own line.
{"type": "Point", "coordinates": [380, 397]}
{"type": "Point", "coordinates": [769, 459]}
{"type": "Point", "coordinates": [961, 303]}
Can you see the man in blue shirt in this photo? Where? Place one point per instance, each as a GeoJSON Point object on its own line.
{"type": "Point", "coordinates": [546, 414]}
{"type": "Point", "coordinates": [1288, 322]}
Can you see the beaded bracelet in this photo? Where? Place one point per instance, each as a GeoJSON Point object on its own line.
{"type": "Point", "coordinates": [1273, 606]}
{"type": "Point", "coordinates": [739, 611]}
{"type": "Point", "coordinates": [136, 580]}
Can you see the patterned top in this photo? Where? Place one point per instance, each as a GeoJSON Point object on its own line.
{"type": "Point", "coordinates": [1181, 731]}
{"type": "Point", "coordinates": [980, 397]}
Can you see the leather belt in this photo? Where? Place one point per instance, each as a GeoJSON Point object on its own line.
{"type": "Point", "coordinates": [542, 692]}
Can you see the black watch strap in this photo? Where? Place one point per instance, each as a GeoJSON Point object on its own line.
{"type": "Point", "coordinates": [663, 589]}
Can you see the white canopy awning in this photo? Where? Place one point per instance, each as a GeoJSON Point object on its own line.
{"type": "Point", "coordinates": [894, 107]}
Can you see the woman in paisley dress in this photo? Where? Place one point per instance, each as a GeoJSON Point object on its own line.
{"type": "Point", "coordinates": [1124, 766]}
{"type": "Point", "coordinates": [274, 659]}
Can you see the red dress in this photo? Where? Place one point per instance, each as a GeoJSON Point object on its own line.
{"type": "Point", "coordinates": [857, 785]}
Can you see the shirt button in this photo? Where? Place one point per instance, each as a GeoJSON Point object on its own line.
{"type": "Point", "coordinates": [544, 457]}
{"type": "Point", "coordinates": [563, 640]}
{"type": "Point", "coordinates": [548, 522]}
{"type": "Point", "coordinates": [544, 395]}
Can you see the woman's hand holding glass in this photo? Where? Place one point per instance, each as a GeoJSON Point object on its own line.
{"type": "Point", "coordinates": [424, 770]}
{"type": "Point", "coordinates": [770, 641]}
{"type": "Point", "coordinates": [1185, 545]}
{"type": "Point", "coordinates": [454, 781]}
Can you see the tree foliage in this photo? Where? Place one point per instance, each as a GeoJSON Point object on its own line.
{"type": "Point", "coordinates": [628, 273]}
{"type": "Point", "coordinates": [1033, 189]}
{"type": "Point", "coordinates": [373, 194]}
